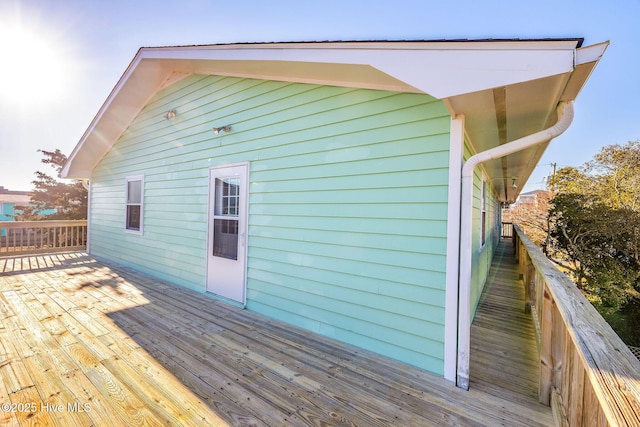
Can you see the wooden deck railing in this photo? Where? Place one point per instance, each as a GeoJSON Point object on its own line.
{"type": "Point", "coordinates": [587, 374]}
{"type": "Point", "coordinates": [33, 237]}
{"type": "Point", "coordinates": [507, 230]}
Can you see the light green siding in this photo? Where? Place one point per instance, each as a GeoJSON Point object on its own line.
{"type": "Point", "coordinates": [347, 204]}
{"type": "Point", "coordinates": [482, 255]}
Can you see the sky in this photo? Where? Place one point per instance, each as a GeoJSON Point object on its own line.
{"type": "Point", "coordinates": [60, 59]}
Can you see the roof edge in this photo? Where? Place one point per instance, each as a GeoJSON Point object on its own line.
{"type": "Point", "coordinates": [388, 58]}
{"type": "Point", "coordinates": [578, 40]}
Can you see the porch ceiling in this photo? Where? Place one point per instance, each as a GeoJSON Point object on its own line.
{"type": "Point", "coordinates": [500, 115]}
{"type": "Point", "coordinates": [506, 113]}
{"type": "Point", "coordinates": [505, 89]}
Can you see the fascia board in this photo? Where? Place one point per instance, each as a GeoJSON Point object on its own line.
{"type": "Point", "coordinates": [591, 53]}
{"type": "Point", "coordinates": [438, 69]}
{"type": "Point", "coordinates": [75, 166]}
{"type": "Point", "coordinates": [586, 60]}
{"type": "Point", "coordinates": [136, 86]}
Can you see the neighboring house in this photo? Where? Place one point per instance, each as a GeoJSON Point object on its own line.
{"type": "Point", "coordinates": [320, 183]}
{"type": "Point", "coordinates": [532, 200]}
{"type": "Point", "coordinates": [9, 199]}
{"type": "Point", "coordinates": [530, 212]}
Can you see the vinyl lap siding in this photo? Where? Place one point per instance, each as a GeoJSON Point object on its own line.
{"type": "Point", "coordinates": [347, 204]}
{"type": "Point", "coordinates": [482, 255]}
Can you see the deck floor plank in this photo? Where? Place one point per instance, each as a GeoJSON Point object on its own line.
{"type": "Point", "coordinates": [139, 351]}
{"type": "Point", "coordinates": [504, 354]}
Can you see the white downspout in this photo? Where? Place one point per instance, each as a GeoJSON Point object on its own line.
{"type": "Point", "coordinates": [565, 117]}
{"type": "Point", "coordinates": [86, 183]}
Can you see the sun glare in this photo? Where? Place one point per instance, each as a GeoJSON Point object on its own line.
{"type": "Point", "coordinates": [33, 70]}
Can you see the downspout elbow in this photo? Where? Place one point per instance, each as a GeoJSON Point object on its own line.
{"type": "Point", "coordinates": [565, 117]}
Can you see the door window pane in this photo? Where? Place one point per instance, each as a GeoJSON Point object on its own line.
{"type": "Point", "coordinates": [225, 238]}
{"type": "Point", "coordinates": [227, 196]}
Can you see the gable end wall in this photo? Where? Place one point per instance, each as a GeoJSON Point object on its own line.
{"type": "Point", "coordinates": [347, 204]}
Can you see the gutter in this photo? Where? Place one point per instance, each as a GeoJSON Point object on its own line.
{"type": "Point", "coordinates": [565, 117]}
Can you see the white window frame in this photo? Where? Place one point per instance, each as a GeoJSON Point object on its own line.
{"type": "Point", "coordinates": [483, 214]}
{"type": "Point", "coordinates": [129, 179]}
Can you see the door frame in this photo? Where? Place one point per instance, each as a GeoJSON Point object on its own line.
{"type": "Point", "coordinates": [243, 226]}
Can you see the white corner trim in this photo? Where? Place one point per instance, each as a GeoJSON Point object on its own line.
{"type": "Point", "coordinates": [456, 151]}
{"type": "Point", "coordinates": [89, 196]}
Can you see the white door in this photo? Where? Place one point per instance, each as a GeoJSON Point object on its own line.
{"type": "Point", "coordinates": [227, 247]}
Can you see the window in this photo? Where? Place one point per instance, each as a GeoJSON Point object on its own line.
{"type": "Point", "coordinates": [483, 221]}
{"type": "Point", "coordinates": [134, 197]}
{"type": "Point", "coordinates": [226, 216]}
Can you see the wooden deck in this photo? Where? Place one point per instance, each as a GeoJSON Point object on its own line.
{"type": "Point", "coordinates": [504, 355]}
{"type": "Point", "coordinates": [88, 343]}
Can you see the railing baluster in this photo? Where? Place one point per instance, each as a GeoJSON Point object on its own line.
{"type": "Point", "coordinates": [577, 389]}
{"type": "Point", "coordinates": [529, 285]}
{"type": "Point", "coordinates": [546, 357]}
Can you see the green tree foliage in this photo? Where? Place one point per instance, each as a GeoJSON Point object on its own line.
{"type": "Point", "coordinates": [53, 199]}
{"type": "Point", "coordinates": [595, 229]}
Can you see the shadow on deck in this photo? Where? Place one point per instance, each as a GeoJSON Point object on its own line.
{"type": "Point", "coordinates": [88, 343]}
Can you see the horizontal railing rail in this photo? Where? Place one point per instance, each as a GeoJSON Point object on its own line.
{"type": "Point", "coordinates": [35, 237]}
{"type": "Point", "coordinates": [587, 374]}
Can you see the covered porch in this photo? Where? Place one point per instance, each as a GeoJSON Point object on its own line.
{"type": "Point", "coordinates": [84, 342]}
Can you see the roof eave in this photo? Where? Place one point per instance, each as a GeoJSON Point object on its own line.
{"type": "Point", "coordinates": [501, 177]}
{"type": "Point", "coordinates": [440, 69]}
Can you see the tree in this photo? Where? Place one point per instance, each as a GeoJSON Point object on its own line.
{"type": "Point", "coordinates": [595, 230]}
{"type": "Point", "coordinates": [53, 199]}
{"type": "Point", "coordinates": [616, 170]}
{"type": "Point", "coordinates": [531, 216]}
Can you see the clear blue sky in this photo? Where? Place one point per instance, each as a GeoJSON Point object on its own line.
{"type": "Point", "coordinates": [72, 53]}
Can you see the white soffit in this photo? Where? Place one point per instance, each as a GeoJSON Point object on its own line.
{"type": "Point", "coordinates": [440, 69]}
{"type": "Point", "coordinates": [520, 109]}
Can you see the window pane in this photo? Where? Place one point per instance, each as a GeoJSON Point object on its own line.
{"type": "Point", "coordinates": [484, 228]}
{"type": "Point", "coordinates": [225, 238]}
{"type": "Point", "coordinates": [134, 192]}
{"type": "Point", "coordinates": [227, 196]}
{"type": "Point", "coordinates": [133, 217]}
